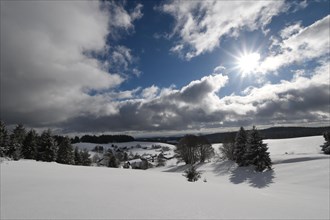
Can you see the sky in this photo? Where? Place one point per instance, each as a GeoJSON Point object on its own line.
{"type": "Point", "coordinates": [164, 67]}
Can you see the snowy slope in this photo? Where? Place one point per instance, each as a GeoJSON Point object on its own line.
{"type": "Point", "coordinates": [296, 189]}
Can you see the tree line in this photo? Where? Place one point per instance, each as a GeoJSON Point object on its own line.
{"type": "Point", "coordinates": [103, 139]}
{"type": "Point", "coordinates": [22, 144]}
{"type": "Point", "coordinates": [272, 133]}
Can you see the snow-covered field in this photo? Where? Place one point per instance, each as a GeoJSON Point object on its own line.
{"type": "Point", "coordinates": [297, 188]}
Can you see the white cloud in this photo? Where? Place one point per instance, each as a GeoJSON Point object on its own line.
{"type": "Point", "coordinates": [201, 24]}
{"type": "Point", "coordinates": [119, 17]}
{"type": "Point", "coordinates": [290, 30]}
{"type": "Point", "coordinates": [150, 92]}
{"type": "Point", "coordinates": [121, 58]}
{"type": "Point", "coordinates": [137, 14]}
{"type": "Point", "coordinates": [299, 45]}
{"type": "Point", "coordinates": [136, 72]}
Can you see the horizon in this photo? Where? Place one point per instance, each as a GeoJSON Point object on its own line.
{"type": "Point", "coordinates": [160, 68]}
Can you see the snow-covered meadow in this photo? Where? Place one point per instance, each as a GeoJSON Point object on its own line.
{"type": "Point", "coordinates": [297, 188]}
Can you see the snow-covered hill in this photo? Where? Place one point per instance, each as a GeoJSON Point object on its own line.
{"type": "Point", "coordinates": [134, 147]}
{"type": "Point", "coordinates": [297, 188]}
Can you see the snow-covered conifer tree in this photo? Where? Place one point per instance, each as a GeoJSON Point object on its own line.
{"type": "Point", "coordinates": [65, 152]}
{"type": "Point", "coordinates": [256, 153]}
{"type": "Point", "coordinates": [16, 142]}
{"type": "Point", "coordinates": [4, 139]}
{"type": "Point", "coordinates": [47, 147]}
{"type": "Point", "coordinates": [85, 160]}
{"type": "Point", "coordinates": [77, 157]}
{"type": "Point", "coordinates": [30, 145]}
{"type": "Point", "coordinates": [240, 147]}
{"type": "Point", "coordinates": [326, 146]}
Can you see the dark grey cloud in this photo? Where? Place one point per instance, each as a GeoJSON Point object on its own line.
{"type": "Point", "coordinates": [47, 70]}
{"type": "Point", "coordinates": [293, 101]}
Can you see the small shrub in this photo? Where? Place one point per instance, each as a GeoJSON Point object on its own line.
{"type": "Point", "coordinates": [192, 174]}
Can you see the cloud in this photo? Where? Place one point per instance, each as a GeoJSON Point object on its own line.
{"type": "Point", "coordinates": [150, 92]}
{"type": "Point", "coordinates": [196, 21]}
{"type": "Point", "coordinates": [47, 72]}
{"type": "Point", "coordinates": [299, 44]}
{"type": "Point", "coordinates": [119, 17]}
{"type": "Point", "coordinates": [120, 58]}
{"type": "Point", "coordinates": [303, 99]}
{"type": "Point", "coordinates": [290, 30]}
{"type": "Point", "coordinates": [160, 109]}
{"type": "Point", "coordinates": [136, 13]}
{"type": "Point", "coordinates": [198, 106]}
{"type": "Point", "coordinates": [49, 77]}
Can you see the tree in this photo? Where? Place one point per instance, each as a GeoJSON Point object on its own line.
{"type": "Point", "coordinates": [96, 158]}
{"type": "Point", "coordinates": [16, 142]}
{"type": "Point", "coordinates": [75, 140]}
{"type": "Point", "coordinates": [227, 151]}
{"type": "Point", "coordinates": [326, 146]}
{"type": "Point", "coordinates": [113, 161]}
{"type": "Point", "coordinates": [257, 154]}
{"type": "Point", "coordinates": [65, 152]}
{"type": "Point", "coordinates": [161, 160]}
{"type": "Point", "coordinates": [4, 140]}
{"type": "Point", "coordinates": [186, 149]}
{"type": "Point", "coordinates": [205, 150]}
{"type": "Point", "coordinates": [47, 150]}
{"type": "Point", "coordinates": [240, 147]}
{"type": "Point", "coordinates": [77, 157]}
{"type": "Point", "coordinates": [30, 144]}
{"type": "Point", "coordinates": [85, 160]}
{"type": "Point", "coordinates": [192, 149]}
{"type": "Point", "coordinates": [192, 174]}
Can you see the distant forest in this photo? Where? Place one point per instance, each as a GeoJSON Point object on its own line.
{"type": "Point", "coordinates": [103, 139]}
{"type": "Point", "coordinates": [269, 133]}
{"type": "Point", "coordinates": [273, 133]}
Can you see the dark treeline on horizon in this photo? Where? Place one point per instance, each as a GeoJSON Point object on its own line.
{"type": "Point", "coordinates": [269, 133]}
{"type": "Point", "coordinates": [273, 133]}
{"type": "Point", "coordinates": [103, 139]}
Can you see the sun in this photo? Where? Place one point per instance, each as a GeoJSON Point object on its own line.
{"type": "Point", "coordinates": [248, 63]}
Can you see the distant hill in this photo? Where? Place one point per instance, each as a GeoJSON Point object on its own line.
{"type": "Point", "coordinates": [269, 133]}
{"type": "Point", "coordinates": [273, 133]}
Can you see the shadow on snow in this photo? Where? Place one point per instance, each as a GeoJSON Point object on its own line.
{"type": "Point", "coordinates": [249, 175]}
{"type": "Point", "coordinates": [236, 174]}
{"type": "Point", "coordinates": [299, 159]}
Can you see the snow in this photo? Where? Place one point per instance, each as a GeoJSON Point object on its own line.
{"type": "Point", "coordinates": [297, 188]}
{"type": "Point", "coordinates": [303, 145]}
{"type": "Point", "coordinates": [128, 145]}
{"type": "Point", "coordinates": [134, 147]}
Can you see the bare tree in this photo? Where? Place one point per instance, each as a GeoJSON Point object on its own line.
{"type": "Point", "coordinates": [192, 149]}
